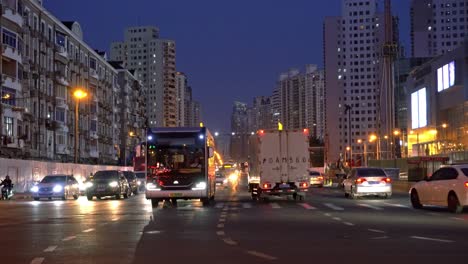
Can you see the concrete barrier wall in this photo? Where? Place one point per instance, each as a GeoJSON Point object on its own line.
{"type": "Point", "coordinates": [25, 172]}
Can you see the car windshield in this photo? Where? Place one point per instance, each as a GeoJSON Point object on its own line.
{"type": "Point", "coordinates": [129, 175]}
{"type": "Point", "coordinates": [370, 172]}
{"type": "Point", "coordinates": [314, 173]}
{"type": "Point", "coordinates": [54, 179]}
{"type": "Point", "coordinates": [140, 175]}
{"type": "Point", "coordinates": [106, 175]}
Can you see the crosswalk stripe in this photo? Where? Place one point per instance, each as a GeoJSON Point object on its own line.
{"type": "Point", "coordinates": [371, 207]}
{"type": "Point", "coordinates": [275, 206]}
{"type": "Point", "coordinates": [334, 207]}
{"type": "Point", "coordinates": [247, 205]}
{"type": "Point", "coordinates": [219, 205]}
{"type": "Point", "coordinates": [307, 206]}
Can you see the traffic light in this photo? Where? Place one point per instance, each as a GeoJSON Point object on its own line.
{"type": "Point", "coordinates": [151, 146]}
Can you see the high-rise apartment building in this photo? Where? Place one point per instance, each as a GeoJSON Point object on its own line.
{"type": "Point", "coordinates": [300, 100]}
{"type": "Point", "coordinates": [240, 131]}
{"type": "Point", "coordinates": [352, 48]}
{"type": "Point", "coordinates": [43, 61]}
{"type": "Point", "coordinates": [154, 59]}
{"type": "Point", "coordinates": [181, 86]}
{"type": "Point", "coordinates": [132, 112]}
{"type": "Point", "coordinates": [437, 26]}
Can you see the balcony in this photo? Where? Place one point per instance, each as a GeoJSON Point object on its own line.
{"type": "Point", "coordinates": [62, 149]}
{"type": "Point", "coordinates": [11, 82]}
{"type": "Point", "coordinates": [61, 80]}
{"type": "Point", "coordinates": [12, 53]}
{"type": "Point", "coordinates": [93, 74]}
{"type": "Point", "coordinates": [93, 153]}
{"type": "Point", "coordinates": [93, 135]}
{"type": "Point", "coordinates": [62, 54]}
{"type": "Point", "coordinates": [14, 17]}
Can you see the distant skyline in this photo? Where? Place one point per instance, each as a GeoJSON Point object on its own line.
{"type": "Point", "coordinates": [230, 50]}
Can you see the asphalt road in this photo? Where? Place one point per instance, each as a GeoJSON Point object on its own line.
{"type": "Point", "coordinates": [326, 227]}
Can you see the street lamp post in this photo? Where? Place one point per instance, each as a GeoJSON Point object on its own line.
{"type": "Point", "coordinates": [79, 94]}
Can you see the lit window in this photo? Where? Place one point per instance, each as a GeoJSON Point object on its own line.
{"type": "Point", "coordinates": [419, 109]}
{"type": "Point", "coordinates": [446, 76]}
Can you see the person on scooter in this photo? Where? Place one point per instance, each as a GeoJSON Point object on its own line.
{"type": "Point", "coordinates": [7, 183]}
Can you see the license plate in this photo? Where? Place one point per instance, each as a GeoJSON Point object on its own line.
{"type": "Point", "coordinates": [284, 186]}
{"type": "Point", "coordinates": [175, 195]}
{"type": "Point", "coordinates": [101, 189]}
{"type": "Point", "coordinates": [374, 182]}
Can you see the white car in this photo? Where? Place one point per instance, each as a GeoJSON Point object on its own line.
{"type": "Point", "coordinates": [367, 182]}
{"type": "Point", "coordinates": [448, 186]}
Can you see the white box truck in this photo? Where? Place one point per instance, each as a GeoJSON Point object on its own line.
{"type": "Point", "coordinates": [281, 163]}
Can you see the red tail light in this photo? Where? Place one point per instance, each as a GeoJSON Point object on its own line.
{"type": "Point", "coordinates": [387, 180]}
{"type": "Point", "coordinates": [320, 178]}
{"type": "Point", "coordinates": [466, 184]}
{"type": "Point", "coordinates": [306, 131]}
{"type": "Point", "coordinates": [266, 186]}
{"type": "Point", "coordinates": [360, 180]}
{"type": "Point", "coordinates": [303, 184]}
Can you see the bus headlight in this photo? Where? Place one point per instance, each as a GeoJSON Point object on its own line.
{"type": "Point", "coordinates": [200, 186]}
{"type": "Point", "coordinates": [152, 187]}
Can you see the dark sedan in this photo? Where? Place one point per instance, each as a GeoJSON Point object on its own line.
{"type": "Point", "coordinates": [132, 181]}
{"type": "Point", "coordinates": [108, 183]}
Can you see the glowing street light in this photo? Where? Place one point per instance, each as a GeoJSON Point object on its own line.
{"type": "Point", "coordinates": [216, 134]}
{"type": "Point", "coordinates": [79, 94]}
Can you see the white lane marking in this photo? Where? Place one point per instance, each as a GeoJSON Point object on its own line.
{"type": "Point", "coordinates": [50, 249]}
{"type": "Point", "coordinates": [247, 205]}
{"type": "Point", "coordinates": [334, 207]}
{"type": "Point", "coordinates": [115, 219]}
{"type": "Point", "coordinates": [69, 238]}
{"type": "Point", "coordinates": [220, 225]}
{"type": "Point", "coordinates": [348, 224]}
{"type": "Point", "coordinates": [222, 220]}
{"type": "Point", "coordinates": [376, 231]}
{"type": "Point", "coordinates": [457, 218]}
{"type": "Point", "coordinates": [88, 230]}
{"type": "Point", "coordinates": [219, 205]}
{"type": "Point", "coordinates": [378, 238]}
{"type": "Point", "coordinates": [397, 205]}
{"type": "Point", "coordinates": [327, 214]}
{"type": "Point", "coordinates": [307, 206]}
{"type": "Point", "coordinates": [225, 208]}
{"type": "Point", "coordinates": [261, 255]}
{"type": "Point", "coordinates": [336, 218]}
{"type": "Point", "coordinates": [432, 239]}
{"type": "Point", "coordinates": [371, 207]}
{"type": "Point", "coordinates": [37, 261]}
{"type": "Point", "coordinates": [230, 242]}
{"type": "Point", "coordinates": [220, 233]}
{"type": "Point", "coordinates": [275, 206]}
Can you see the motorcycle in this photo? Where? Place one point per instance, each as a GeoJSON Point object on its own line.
{"type": "Point", "coordinates": [7, 193]}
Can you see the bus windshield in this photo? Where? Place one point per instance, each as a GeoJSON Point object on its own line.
{"type": "Point", "coordinates": [176, 154]}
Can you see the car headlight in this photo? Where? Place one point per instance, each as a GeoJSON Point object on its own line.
{"type": "Point", "coordinates": [34, 189]}
{"type": "Point", "coordinates": [57, 188]}
{"type": "Point", "coordinates": [88, 185]}
{"type": "Point", "coordinates": [139, 183]}
{"type": "Point", "coordinates": [200, 186]}
{"type": "Point", "coordinates": [113, 184]}
{"type": "Point", "coordinates": [225, 180]}
{"type": "Point", "coordinates": [152, 187]}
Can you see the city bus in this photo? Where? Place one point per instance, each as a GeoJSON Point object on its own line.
{"type": "Point", "coordinates": [180, 165]}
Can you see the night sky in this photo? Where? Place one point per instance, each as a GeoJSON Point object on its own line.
{"type": "Point", "coordinates": [230, 50]}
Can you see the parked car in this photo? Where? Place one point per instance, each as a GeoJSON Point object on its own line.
{"type": "Point", "coordinates": [132, 181]}
{"type": "Point", "coordinates": [316, 178]}
{"type": "Point", "coordinates": [367, 182]}
{"type": "Point", "coordinates": [108, 183]}
{"type": "Point", "coordinates": [448, 186]}
{"type": "Point", "coordinates": [56, 186]}
{"type": "Point", "coordinates": [141, 180]}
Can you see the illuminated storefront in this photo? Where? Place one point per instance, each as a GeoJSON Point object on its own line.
{"type": "Point", "coordinates": [437, 94]}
